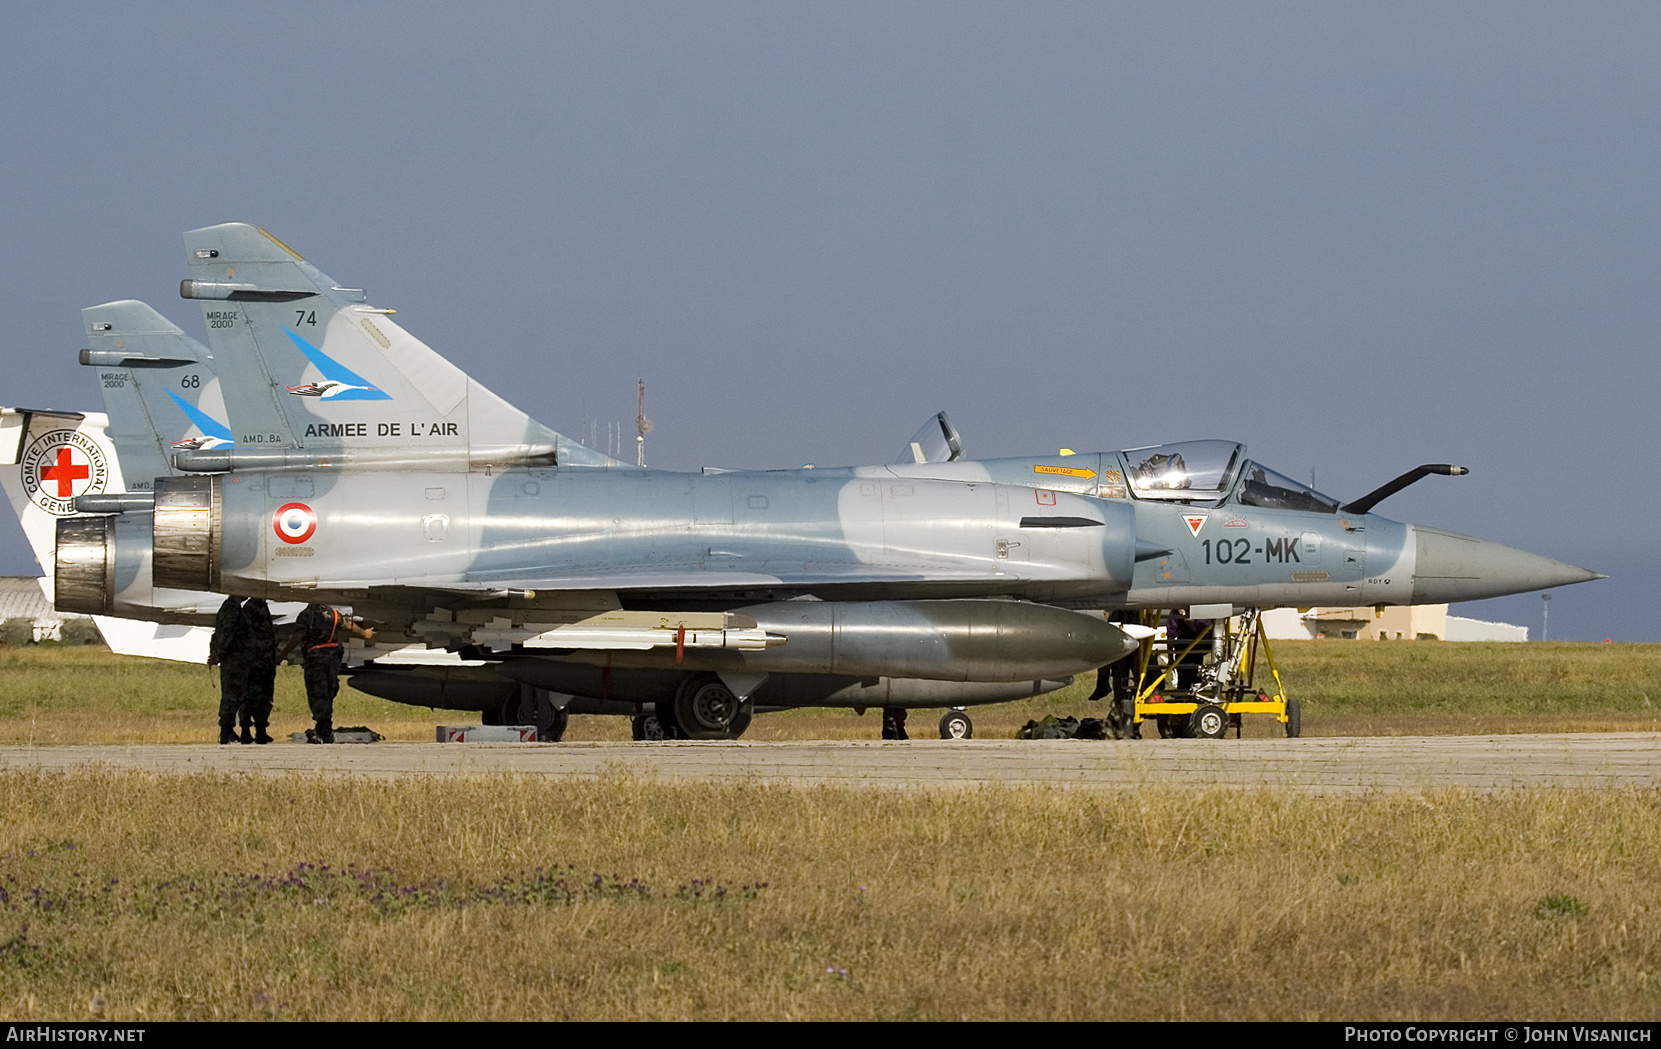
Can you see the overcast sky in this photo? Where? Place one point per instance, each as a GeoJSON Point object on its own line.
{"type": "Point", "coordinates": [1357, 237]}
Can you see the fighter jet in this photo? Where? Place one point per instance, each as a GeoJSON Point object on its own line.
{"type": "Point", "coordinates": [140, 358]}
{"type": "Point", "coordinates": [447, 517]}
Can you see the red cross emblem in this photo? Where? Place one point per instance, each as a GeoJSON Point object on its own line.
{"type": "Point", "coordinates": [61, 464]}
{"type": "Point", "coordinates": [66, 473]}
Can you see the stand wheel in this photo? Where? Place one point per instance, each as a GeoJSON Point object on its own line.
{"type": "Point", "coordinates": [1208, 722]}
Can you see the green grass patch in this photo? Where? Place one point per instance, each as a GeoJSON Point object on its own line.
{"type": "Point", "coordinates": [85, 694]}
{"type": "Point", "coordinates": [1388, 677]}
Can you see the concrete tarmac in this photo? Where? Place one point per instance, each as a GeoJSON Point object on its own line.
{"type": "Point", "coordinates": [1318, 766]}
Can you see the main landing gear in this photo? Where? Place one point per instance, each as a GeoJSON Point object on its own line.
{"type": "Point", "coordinates": [703, 707]}
{"type": "Point", "coordinates": [529, 705]}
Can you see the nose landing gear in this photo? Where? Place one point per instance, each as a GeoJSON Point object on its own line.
{"type": "Point", "coordinates": [1195, 694]}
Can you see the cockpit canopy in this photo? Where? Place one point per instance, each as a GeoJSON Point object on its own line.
{"type": "Point", "coordinates": [1264, 487]}
{"type": "Point", "coordinates": [1192, 470]}
{"type": "Point", "coordinates": [1209, 471]}
{"type": "Point", "coordinates": [935, 442]}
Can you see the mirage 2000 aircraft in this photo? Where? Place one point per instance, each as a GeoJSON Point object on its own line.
{"type": "Point", "coordinates": [363, 469]}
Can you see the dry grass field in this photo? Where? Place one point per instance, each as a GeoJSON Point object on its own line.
{"type": "Point", "coordinates": [84, 694]}
{"type": "Point", "coordinates": [140, 897]}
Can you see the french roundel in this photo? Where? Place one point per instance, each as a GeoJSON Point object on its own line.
{"type": "Point", "coordinates": [294, 522]}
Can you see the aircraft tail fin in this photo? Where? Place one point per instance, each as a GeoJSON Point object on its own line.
{"type": "Point", "coordinates": [161, 392]}
{"type": "Point", "coordinates": [47, 459]}
{"type": "Point", "coordinates": [306, 363]}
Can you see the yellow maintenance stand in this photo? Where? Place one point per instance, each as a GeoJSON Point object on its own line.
{"type": "Point", "coordinates": [1195, 687]}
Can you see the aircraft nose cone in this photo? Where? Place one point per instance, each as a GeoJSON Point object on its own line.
{"type": "Point", "coordinates": [1452, 567]}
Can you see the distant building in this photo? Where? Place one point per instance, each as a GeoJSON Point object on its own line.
{"type": "Point", "coordinates": [1392, 623]}
{"type": "Point", "coordinates": [24, 597]}
{"type": "Point", "coordinates": [1462, 629]}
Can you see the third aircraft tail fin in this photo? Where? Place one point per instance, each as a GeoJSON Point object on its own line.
{"type": "Point", "coordinates": [49, 459]}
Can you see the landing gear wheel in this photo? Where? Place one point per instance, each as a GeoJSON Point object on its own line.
{"type": "Point", "coordinates": [1208, 721]}
{"type": "Point", "coordinates": [664, 709]}
{"type": "Point", "coordinates": [1294, 719]}
{"type": "Point", "coordinates": [705, 707]}
{"type": "Point", "coordinates": [741, 720]}
{"type": "Point", "coordinates": [956, 725]}
{"type": "Point", "coordinates": [893, 723]}
{"type": "Point", "coordinates": [555, 730]}
{"type": "Point", "coordinates": [648, 729]}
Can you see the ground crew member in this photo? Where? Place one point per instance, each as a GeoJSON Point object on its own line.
{"type": "Point", "coordinates": [262, 672]}
{"type": "Point", "coordinates": [319, 631]}
{"type": "Point", "coordinates": [232, 651]}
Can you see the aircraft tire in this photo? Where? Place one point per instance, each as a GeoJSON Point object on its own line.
{"type": "Point", "coordinates": [556, 728]}
{"type": "Point", "coordinates": [955, 724]}
{"type": "Point", "coordinates": [704, 707]}
{"type": "Point", "coordinates": [665, 713]}
{"type": "Point", "coordinates": [1208, 721]}
{"type": "Point", "coordinates": [648, 729]}
{"type": "Point", "coordinates": [1294, 719]}
{"type": "Point", "coordinates": [741, 720]}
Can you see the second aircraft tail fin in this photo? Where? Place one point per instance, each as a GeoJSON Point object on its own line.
{"type": "Point", "coordinates": [161, 392]}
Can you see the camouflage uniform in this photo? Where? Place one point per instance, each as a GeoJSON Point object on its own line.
{"type": "Point", "coordinates": [893, 723]}
{"type": "Point", "coordinates": [324, 650]}
{"type": "Point", "coordinates": [232, 648]}
{"type": "Point", "coordinates": [262, 674]}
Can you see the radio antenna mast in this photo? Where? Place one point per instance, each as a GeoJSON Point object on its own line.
{"type": "Point", "coordinates": [644, 425]}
